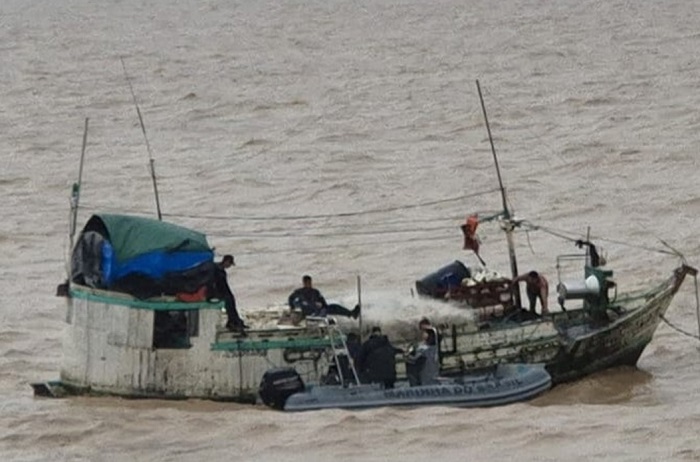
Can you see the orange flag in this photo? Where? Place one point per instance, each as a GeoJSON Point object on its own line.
{"type": "Point", "coordinates": [469, 231]}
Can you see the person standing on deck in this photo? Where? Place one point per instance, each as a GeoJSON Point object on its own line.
{"type": "Point", "coordinates": [376, 360]}
{"type": "Point", "coordinates": [221, 289]}
{"type": "Point", "coordinates": [537, 287]}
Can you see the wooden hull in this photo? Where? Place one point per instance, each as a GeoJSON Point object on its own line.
{"type": "Point", "coordinates": [572, 344]}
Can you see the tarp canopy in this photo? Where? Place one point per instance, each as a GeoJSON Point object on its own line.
{"type": "Point", "coordinates": [133, 236]}
{"type": "Point", "coordinates": [140, 256]}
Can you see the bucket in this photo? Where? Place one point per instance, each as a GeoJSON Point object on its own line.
{"type": "Point", "coordinates": [438, 283]}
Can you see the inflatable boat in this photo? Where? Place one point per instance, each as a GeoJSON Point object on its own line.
{"type": "Point", "coordinates": [283, 389]}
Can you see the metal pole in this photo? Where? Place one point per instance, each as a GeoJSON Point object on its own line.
{"type": "Point", "coordinates": [359, 303]}
{"type": "Point", "coordinates": [75, 193]}
{"type": "Point", "coordinates": [506, 213]}
{"type": "Point", "coordinates": [151, 162]}
{"type": "Point", "coordinates": [493, 151]}
{"type": "Point", "coordinates": [697, 303]}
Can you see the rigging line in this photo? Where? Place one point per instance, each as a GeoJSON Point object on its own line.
{"type": "Point", "coordinates": [450, 223]}
{"type": "Point", "coordinates": [678, 329]}
{"type": "Point", "coordinates": [451, 218]}
{"type": "Point", "coordinates": [339, 234]}
{"type": "Point", "coordinates": [336, 248]}
{"type": "Point", "coordinates": [553, 232]}
{"type": "Point", "coordinates": [331, 215]}
{"type": "Point", "coordinates": [599, 238]}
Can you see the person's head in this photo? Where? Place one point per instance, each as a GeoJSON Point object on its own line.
{"type": "Point", "coordinates": [429, 336]}
{"type": "Point", "coordinates": [307, 281]}
{"type": "Point", "coordinates": [534, 275]}
{"type": "Point", "coordinates": [376, 330]}
{"type": "Point", "coordinates": [227, 261]}
{"type": "Point", "coordinates": [424, 324]}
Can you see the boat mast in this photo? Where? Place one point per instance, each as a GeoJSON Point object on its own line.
{"type": "Point", "coordinates": [75, 192]}
{"type": "Point", "coordinates": [151, 162]}
{"type": "Point", "coordinates": [508, 224]}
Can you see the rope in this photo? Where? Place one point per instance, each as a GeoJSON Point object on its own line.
{"type": "Point", "coordinates": [678, 329]}
{"type": "Point", "coordinates": [255, 235]}
{"type": "Point", "coordinates": [303, 230]}
{"type": "Point", "coordinates": [697, 310]}
{"type": "Point", "coordinates": [300, 217]}
{"type": "Point", "coordinates": [334, 215]}
{"type": "Point", "coordinates": [561, 234]}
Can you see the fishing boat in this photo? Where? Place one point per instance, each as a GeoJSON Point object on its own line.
{"type": "Point", "coordinates": [284, 389]}
{"type": "Point", "coordinates": [598, 326]}
{"type": "Point", "coordinates": [140, 325]}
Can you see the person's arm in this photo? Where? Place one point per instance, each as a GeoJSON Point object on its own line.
{"type": "Point", "coordinates": [291, 298]}
{"type": "Point", "coordinates": [321, 300]}
{"type": "Point", "coordinates": [544, 293]}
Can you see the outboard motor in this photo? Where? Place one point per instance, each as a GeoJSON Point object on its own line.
{"type": "Point", "coordinates": [279, 384]}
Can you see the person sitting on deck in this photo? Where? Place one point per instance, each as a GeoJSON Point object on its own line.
{"type": "Point", "coordinates": [537, 287]}
{"type": "Point", "coordinates": [221, 289]}
{"type": "Point", "coordinates": [310, 301]}
{"type": "Point", "coordinates": [376, 361]}
{"type": "Point", "coordinates": [422, 366]}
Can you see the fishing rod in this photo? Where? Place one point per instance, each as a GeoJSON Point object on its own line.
{"type": "Point", "coordinates": [151, 162]}
{"type": "Point", "coordinates": [509, 223]}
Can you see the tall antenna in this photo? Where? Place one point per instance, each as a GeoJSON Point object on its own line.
{"type": "Point", "coordinates": [509, 224]}
{"type": "Point", "coordinates": [151, 162]}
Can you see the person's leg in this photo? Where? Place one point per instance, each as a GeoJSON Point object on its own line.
{"type": "Point", "coordinates": [532, 298]}
{"type": "Point", "coordinates": [339, 310]}
{"type": "Point", "coordinates": [234, 319]}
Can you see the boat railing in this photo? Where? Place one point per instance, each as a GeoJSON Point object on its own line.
{"type": "Point", "coordinates": [338, 348]}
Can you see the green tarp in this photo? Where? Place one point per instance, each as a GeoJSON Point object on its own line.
{"type": "Point", "coordinates": [132, 236]}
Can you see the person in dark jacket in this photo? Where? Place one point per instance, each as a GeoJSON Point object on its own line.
{"type": "Point", "coordinates": [221, 289]}
{"type": "Point", "coordinates": [310, 301]}
{"type": "Point", "coordinates": [352, 341]}
{"type": "Point", "coordinates": [376, 361]}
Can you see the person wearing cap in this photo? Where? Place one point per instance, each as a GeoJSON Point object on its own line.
{"type": "Point", "coordinates": [310, 301]}
{"type": "Point", "coordinates": [221, 289]}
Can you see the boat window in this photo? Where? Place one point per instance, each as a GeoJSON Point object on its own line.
{"type": "Point", "coordinates": [174, 328]}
